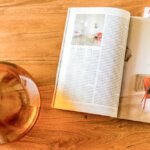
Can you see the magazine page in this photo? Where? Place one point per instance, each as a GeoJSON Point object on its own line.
{"type": "Point", "coordinates": [92, 59]}
{"type": "Point", "coordinates": [135, 95]}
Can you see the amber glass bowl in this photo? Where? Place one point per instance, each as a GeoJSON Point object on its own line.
{"type": "Point", "coordinates": [19, 102]}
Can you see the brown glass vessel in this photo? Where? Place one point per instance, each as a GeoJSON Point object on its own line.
{"type": "Point", "coordinates": [19, 102]}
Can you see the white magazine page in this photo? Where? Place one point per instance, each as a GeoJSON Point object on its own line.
{"type": "Point", "coordinates": [92, 59]}
{"type": "Point", "coordinates": [135, 95]}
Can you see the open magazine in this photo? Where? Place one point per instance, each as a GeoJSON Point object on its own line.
{"type": "Point", "coordinates": [104, 65]}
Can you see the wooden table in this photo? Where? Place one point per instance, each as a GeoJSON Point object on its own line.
{"type": "Point", "coordinates": [31, 35]}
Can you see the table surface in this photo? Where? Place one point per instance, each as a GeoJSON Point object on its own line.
{"type": "Point", "coordinates": [30, 35]}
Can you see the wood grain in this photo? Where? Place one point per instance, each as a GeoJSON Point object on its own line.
{"type": "Point", "coordinates": [30, 36]}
